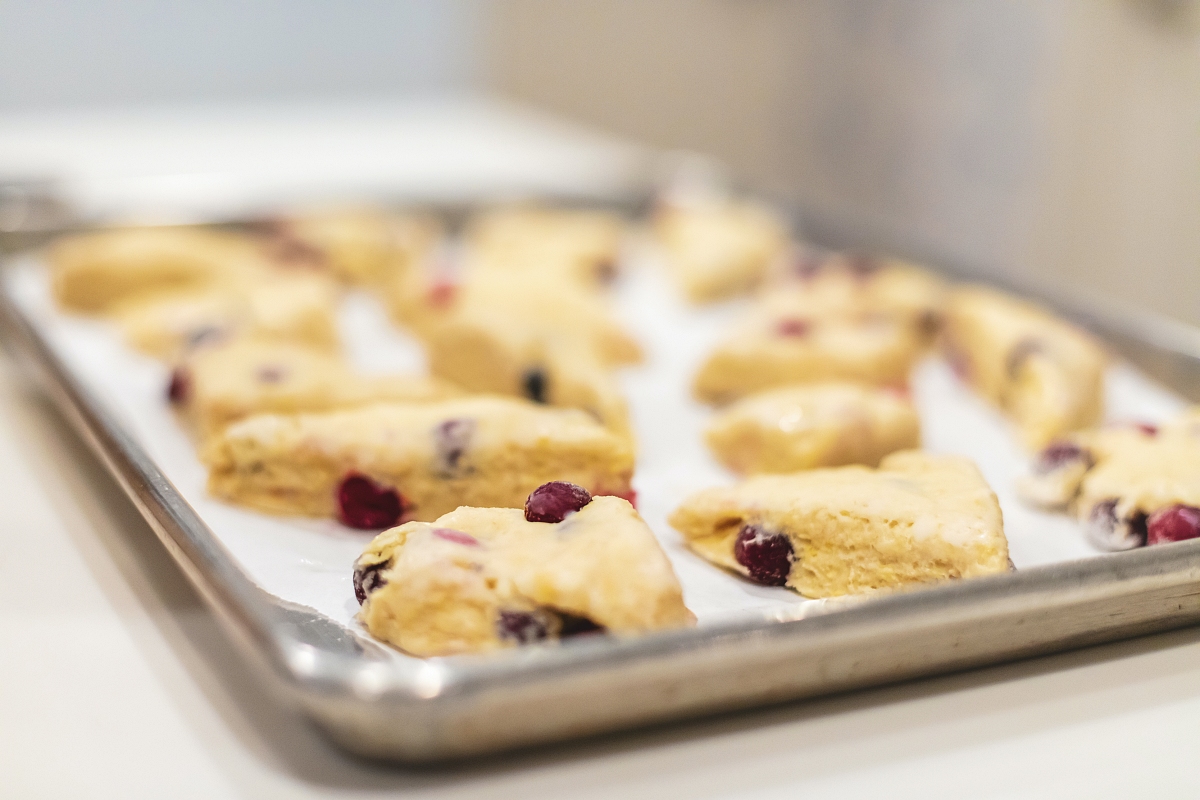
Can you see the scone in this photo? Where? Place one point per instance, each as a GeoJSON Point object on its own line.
{"type": "Point", "coordinates": [857, 287]}
{"type": "Point", "coordinates": [481, 579]}
{"type": "Point", "coordinates": [770, 351]}
{"type": "Point", "coordinates": [715, 249]}
{"type": "Point", "coordinates": [361, 246]}
{"type": "Point", "coordinates": [845, 530]}
{"type": "Point", "coordinates": [378, 465]}
{"type": "Point", "coordinates": [1046, 374]}
{"type": "Point", "coordinates": [287, 306]}
{"type": "Point", "coordinates": [581, 245]}
{"type": "Point", "coordinates": [813, 425]}
{"type": "Point", "coordinates": [1129, 485]}
{"type": "Point", "coordinates": [223, 382]}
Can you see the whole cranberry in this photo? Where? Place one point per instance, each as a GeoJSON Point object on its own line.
{"type": "Point", "coordinates": [522, 627]}
{"type": "Point", "coordinates": [1109, 531]}
{"type": "Point", "coordinates": [793, 326]}
{"type": "Point", "coordinates": [552, 502]}
{"type": "Point", "coordinates": [363, 503]}
{"type": "Point", "coordinates": [442, 293]}
{"type": "Point", "coordinates": [1173, 524]}
{"type": "Point", "coordinates": [180, 387]}
{"type": "Point", "coordinates": [1146, 428]}
{"type": "Point", "coordinates": [369, 578]}
{"type": "Point", "coordinates": [1058, 454]}
{"type": "Point", "coordinates": [458, 537]}
{"type": "Point", "coordinates": [766, 556]}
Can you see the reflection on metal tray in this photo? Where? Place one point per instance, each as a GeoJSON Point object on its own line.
{"type": "Point", "coordinates": [414, 710]}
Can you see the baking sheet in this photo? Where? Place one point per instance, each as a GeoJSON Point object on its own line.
{"type": "Point", "coordinates": [309, 562]}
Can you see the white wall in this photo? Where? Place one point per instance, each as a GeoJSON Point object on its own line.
{"type": "Point", "coordinates": [72, 52]}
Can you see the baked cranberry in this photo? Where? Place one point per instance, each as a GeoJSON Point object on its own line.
{"type": "Point", "coordinates": [363, 503]}
{"type": "Point", "coordinates": [1173, 524]}
{"type": "Point", "coordinates": [179, 390]}
{"type": "Point", "coordinates": [442, 293]}
{"type": "Point", "coordinates": [1019, 354]}
{"type": "Point", "coordinates": [767, 556]}
{"type": "Point", "coordinates": [522, 627]}
{"type": "Point", "coordinates": [534, 385]}
{"type": "Point", "coordinates": [270, 374]}
{"type": "Point", "coordinates": [1146, 428]}
{"type": "Point", "coordinates": [1108, 531]}
{"type": "Point", "coordinates": [458, 537]}
{"type": "Point", "coordinates": [793, 327]}
{"type": "Point", "coordinates": [552, 502]}
{"type": "Point", "coordinates": [368, 579]}
{"type": "Point", "coordinates": [1058, 454]}
{"type": "Point", "coordinates": [451, 439]}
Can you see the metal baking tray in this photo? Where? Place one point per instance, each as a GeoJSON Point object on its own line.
{"type": "Point", "coordinates": [444, 708]}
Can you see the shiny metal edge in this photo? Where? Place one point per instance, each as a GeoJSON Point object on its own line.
{"type": "Point", "coordinates": [458, 707]}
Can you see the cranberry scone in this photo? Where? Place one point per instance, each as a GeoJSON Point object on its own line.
{"type": "Point", "coordinates": [845, 530]}
{"type": "Point", "coordinates": [718, 249]}
{"type": "Point", "coordinates": [361, 246]}
{"type": "Point", "coordinates": [375, 466]}
{"type": "Point", "coordinates": [772, 350]}
{"type": "Point", "coordinates": [223, 382]}
{"type": "Point", "coordinates": [1045, 373]}
{"type": "Point", "coordinates": [582, 245]}
{"type": "Point", "coordinates": [92, 272]}
{"type": "Point", "coordinates": [482, 579]}
{"type": "Point", "coordinates": [286, 306]}
{"type": "Point", "coordinates": [858, 287]}
{"type": "Point", "coordinates": [1129, 485]}
{"type": "Point", "coordinates": [813, 425]}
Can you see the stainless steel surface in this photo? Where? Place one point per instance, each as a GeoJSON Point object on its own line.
{"type": "Point", "coordinates": [455, 707]}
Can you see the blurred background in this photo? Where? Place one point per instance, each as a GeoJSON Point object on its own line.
{"type": "Point", "coordinates": [1053, 142]}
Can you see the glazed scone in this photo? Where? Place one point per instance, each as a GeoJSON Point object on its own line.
{"type": "Point", "coordinates": [582, 245]}
{"type": "Point", "coordinates": [377, 465]}
{"type": "Point", "coordinates": [481, 579]}
{"type": "Point", "coordinates": [858, 287]}
{"type": "Point", "coordinates": [718, 249]}
{"type": "Point", "coordinates": [92, 272]}
{"type": "Point", "coordinates": [1046, 374]}
{"type": "Point", "coordinates": [287, 306]}
{"type": "Point", "coordinates": [770, 351]}
{"type": "Point", "coordinates": [361, 246]}
{"type": "Point", "coordinates": [1128, 485]}
{"type": "Point", "coordinates": [844, 530]}
{"type": "Point", "coordinates": [813, 425]}
{"type": "Point", "coordinates": [226, 381]}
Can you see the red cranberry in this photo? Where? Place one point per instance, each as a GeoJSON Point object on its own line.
{"type": "Point", "coordinates": [534, 385]}
{"type": "Point", "coordinates": [1058, 454]}
{"type": "Point", "coordinates": [458, 537]}
{"type": "Point", "coordinates": [1146, 428]}
{"type": "Point", "coordinates": [362, 503]}
{"type": "Point", "coordinates": [523, 627]}
{"type": "Point", "coordinates": [552, 502]}
{"type": "Point", "coordinates": [767, 556]}
{"type": "Point", "coordinates": [451, 439]}
{"type": "Point", "coordinates": [1108, 531]}
{"type": "Point", "coordinates": [442, 294]}
{"type": "Point", "coordinates": [1173, 524]}
{"type": "Point", "coordinates": [793, 327]}
{"type": "Point", "coordinates": [179, 390]}
{"type": "Point", "coordinates": [368, 579]}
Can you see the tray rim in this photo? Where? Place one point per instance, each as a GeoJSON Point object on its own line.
{"type": "Point", "coordinates": [465, 706]}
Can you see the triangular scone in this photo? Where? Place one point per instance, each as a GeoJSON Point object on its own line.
{"type": "Point", "coordinates": [845, 530]}
{"type": "Point", "coordinates": [1042, 371]}
{"type": "Point", "coordinates": [379, 465]}
{"type": "Point", "coordinates": [479, 579]}
{"type": "Point", "coordinates": [227, 381]}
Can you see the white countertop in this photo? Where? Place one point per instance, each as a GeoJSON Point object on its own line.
{"type": "Point", "coordinates": [116, 681]}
